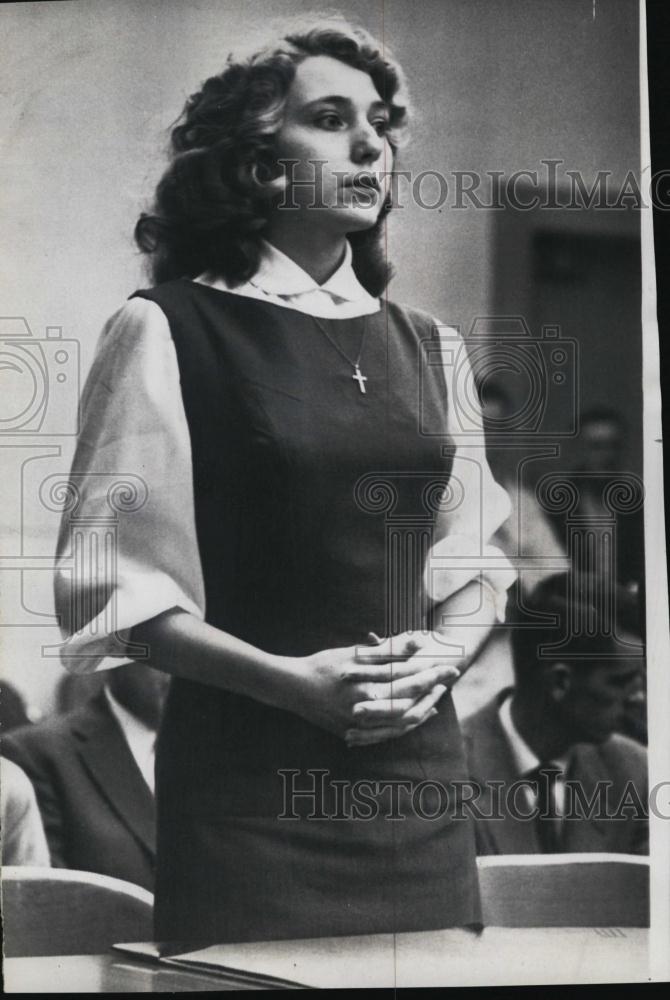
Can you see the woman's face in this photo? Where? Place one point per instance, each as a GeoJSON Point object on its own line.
{"type": "Point", "coordinates": [334, 131]}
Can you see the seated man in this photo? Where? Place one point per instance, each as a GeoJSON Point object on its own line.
{"type": "Point", "coordinates": [550, 771]}
{"type": "Point", "coordinates": [92, 770]}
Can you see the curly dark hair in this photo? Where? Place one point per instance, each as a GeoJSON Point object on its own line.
{"type": "Point", "coordinates": [214, 200]}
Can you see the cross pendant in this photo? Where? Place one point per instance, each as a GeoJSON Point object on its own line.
{"type": "Point", "coordinates": [361, 379]}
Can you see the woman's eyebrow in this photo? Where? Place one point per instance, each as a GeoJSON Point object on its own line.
{"type": "Point", "coordinates": [345, 103]}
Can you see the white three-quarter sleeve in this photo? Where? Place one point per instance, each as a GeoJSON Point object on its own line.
{"type": "Point", "coordinates": [127, 549]}
{"type": "Point", "coordinates": [475, 505]}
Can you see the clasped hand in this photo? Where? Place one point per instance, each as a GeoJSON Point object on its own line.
{"type": "Point", "coordinates": [368, 694]}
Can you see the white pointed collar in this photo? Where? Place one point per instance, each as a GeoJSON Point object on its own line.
{"type": "Point", "coordinates": [282, 282]}
{"type": "Point", "coordinates": [278, 274]}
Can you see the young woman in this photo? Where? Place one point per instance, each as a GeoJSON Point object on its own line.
{"type": "Point", "coordinates": [296, 451]}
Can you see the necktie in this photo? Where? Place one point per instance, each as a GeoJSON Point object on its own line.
{"type": "Point", "coordinates": [544, 779]}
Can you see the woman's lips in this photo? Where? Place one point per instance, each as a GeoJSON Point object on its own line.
{"type": "Point", "coordinates": [367, 189]}
{"type": "Point", "coordinates": [364, 182]}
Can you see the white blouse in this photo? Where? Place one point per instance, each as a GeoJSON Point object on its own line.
{"type": "Point", "coordinates": [133, 427]}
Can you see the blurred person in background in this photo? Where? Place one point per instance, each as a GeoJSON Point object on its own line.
{"type": "Point", "coordinates": [93, 774]}
{"type": "Point", "coordinates": [600, 461]}
{"type": "Point", "coordinates": [23, 838]}
{"type": "Point", "coordinates": [534, 540]}
{"type": "Point", "coordinates": [73, 690]}
{"type": "Point", "coordinates": [553, 741]}
{"type": "Point", "coordinates": [528, 537]}
{"type": "Point", "coordinates": [629, 618]}
{"type": "Point", "coordinates": [599, 464]}
{"type": "Point", "coordinates": [14, 711]}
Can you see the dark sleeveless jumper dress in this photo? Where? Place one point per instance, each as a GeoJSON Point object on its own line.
{"type": "Point", "coordinates": [315, 506]}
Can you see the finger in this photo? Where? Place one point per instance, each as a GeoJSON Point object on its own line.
{"type": "Point", "coordinates": [413, 661]}
{"type": "Point", "coordinates": [367, 737]}
{"type": "Point", "coordinates": [407, 685]}
{"type": "Point", "coordinates": [376, 713]}
{"type": "Point", "coordinates": [415, 715]}
{"type": "Point", "coordinates": [377, 655]}
{"type": "Point", "coordinates": [420, 684]}
{"type": "Point", "coordinates": [377, 673]}
{"type": "Point", "coordinates": [380, 691]}
{"type": "Point", "coordinates": [371, 692]}
{"type": "Point", "coordinates": [420, 710]}
{"type": "Point", "coordinates": [380, 673]}
{"type": "Point", "coordinates": [390, 648]}
{"type": "Point", "coordinates": [438, 648]}
{"type": "Point", "coordinates": [395, 644]}
{"type": "Point", "coordinates": [399, 651]}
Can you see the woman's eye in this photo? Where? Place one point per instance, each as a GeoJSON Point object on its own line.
{"type": "Point", "coordinates": [329, 121]}
{"type": "Point", "coordinates": [381, 126]}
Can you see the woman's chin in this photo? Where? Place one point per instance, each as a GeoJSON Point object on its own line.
{"type": "Point", "coordinates": [360, 219]}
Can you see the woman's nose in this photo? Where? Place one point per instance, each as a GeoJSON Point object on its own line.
{"type": "Point", "coordinates": [366, 145]}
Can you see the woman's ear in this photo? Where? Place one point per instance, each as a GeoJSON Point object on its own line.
{"type": "Point", "coordinates": [559, 680]}
{"type": "Point", "coordinates": [264, 176]}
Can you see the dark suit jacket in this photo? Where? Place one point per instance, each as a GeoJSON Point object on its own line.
{"type": "Point", "coordinates": [616, 762]}
{"type": "Point", "coordinates": [98, 811]}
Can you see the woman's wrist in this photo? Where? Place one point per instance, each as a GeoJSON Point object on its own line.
{"type": "Point", "coordinates": [187, 647]}
{"type": "Point", "coordinates": [273, 681]}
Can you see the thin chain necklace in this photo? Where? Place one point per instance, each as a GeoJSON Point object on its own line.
{"type": "Point", "coordinates": [356, 365]}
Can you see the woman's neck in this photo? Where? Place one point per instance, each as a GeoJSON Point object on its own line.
{"type": "Point", "coordinates": [318, 253]}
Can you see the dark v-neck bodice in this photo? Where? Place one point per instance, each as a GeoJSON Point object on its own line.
{"type": "Point", "coordinates": [315, 505]}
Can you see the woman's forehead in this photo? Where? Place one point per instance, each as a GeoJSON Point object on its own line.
{"type": "Point", "coordinates": [319, 77]}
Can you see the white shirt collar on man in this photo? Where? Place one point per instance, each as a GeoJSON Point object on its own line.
{"type": "Point", "coordinates": [280, 281]}
{"type": "Point", "coordinates": [141, 739]}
